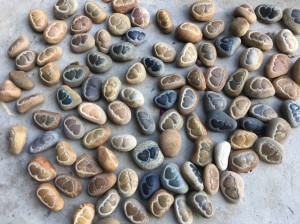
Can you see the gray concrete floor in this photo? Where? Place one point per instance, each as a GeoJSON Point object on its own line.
{"type": "Point", "coordinates": [272, 193]}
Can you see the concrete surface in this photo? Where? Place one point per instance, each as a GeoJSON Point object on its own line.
{"type": "Point", "coordinates": [272, 192]}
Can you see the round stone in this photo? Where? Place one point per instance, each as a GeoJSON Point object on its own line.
{"type": "Point", "coordinates": [188, 56]}
{"type": "Point", "coordinates": [96, 137]}
{"type": "Point", "coordinates": [44, 142]}
{"type": "Point", "coordinates": [243, 161]}
{"type": "Point", "coordinates": [154, 66]}
{"type": "Point", "coordinates": [241, 139]}
{"type": "Point", "coordinates": [122, 52]}
{"type": "Point", "coordinates": [170, 142]}
{"type": "Point", "coordinates": [268, 13]}
{"type": "Point", "coordinates": [73, 127]}
{"type": "Point", "coordinates": [164, 52]}
{"type": "Point", "coordinates": [188, 32]}
{"type": "Point", "coordinates": [118, 24]}
{"type": "Point", "coordinates": [188, 100]}
{"type": "Point", "coordinates": [136, 36]}
{"type": "Point", "coordinates": [239, 107]}
{"type": "Point", "coordinates": [67, 98]}
{"type": "Point", "coordinates": [207, 54]}
{"type": "Point", "coordinates": [216, 78]}
{"type": "Point", "coordinates": [251, 59]}
{"type": "Point", "coordinates": [213, 29]}
{"type": "Point", "coordinates": [123, 142]}
{"type": "Point", "coordinates": [277, 65]}
{"type": "Point", "coordinates": [239, 26]}
{"type": "Point", "coordinates": [119, 112]}
{"type": "Point", "coordinates": [246, 11]}
{"type": "Point", "coordinates": [173, 81]}
{"type": "Point", "coordinates": [201, 203]}
{"type": "Point", "coordinates": [98, 62]}
{"type": "Point", "coordinates": [236, 82]}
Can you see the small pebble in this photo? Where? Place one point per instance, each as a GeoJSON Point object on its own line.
{"type": "Point", "coordinates": [65, 154]}
{"type": "Point", "coordinates": [101, 183]}
{"type": "Point", "coordinates": [221, 154]}
{"type": "Point", "coordinates": [135, 212]}
{"type": "Point", "coordinates": [123, 6]}
{"type": "Point", "coordinates": [55, 32]}
{"type": "Point", "coordinates": [257, 39]}
{"type": "Point", "coordinates": [111, 88]}
{"type": "Point", "coordinates": [122, 52]}
{"type": "Point", "coordinates": [123, 142]}
{"type": "Point", "coordinates": [188, 56]}
{"type": "Point", "coordinates": [214, 101]}
{"type": "Point", "coordinates": [49, 196]}
{"type": "Point", "coordinates": [278, 129]}
{"type": "Point", "coordinates": [227, 45]}
{"type": "Point", "coordinates": [154, 66]}
{"type": "Point", "coordinates": [262, 112]}
{"type": "Point", "coordinates": [201, 204]}
{"type": "Point", "coordinates": [49, 54]}
{"type": "Point", "coordinates": [67, 98]}
{"type": "Point", "coordinates": [38, 20]}
{"type": "Point", "coordinates": [216, 78]}
{"type": "Point", "coordinates": [26, 60]}
{"type": "Point", "coordinates": [253, 125]}
{"type": "Point", "coordinates": [68, 185]}
{"type": "Point", "coordinates": [25, 104]}
{"type": "Point", "coordinates": [107, 159]}
{"type": "Point", "coordinates": [21, 80]}
{"type": "Point", "coordinates": [95, 12]}
{"type": "Point", "coordinates": [207, 54]}
{"type": "Point", "coordinates": [170, 119]}
{"type": "Point", "coordinates": [243, 161]}
{"type": "Point", "coordinates": [246, 11]}
{"type": "Point", "coordinates": [164, 21]}
{"type": "Point", "coordinates": [170, 142]}
{"type": "Point", "coordinates": [17, 139]}
{"type": "Point", "coordinates": [108, 203]}
{"type": "Point", "coordinates": [268, 13]}
{"type": "Point", "coordinates": [211, 179]}
{"type": "Point", "coordinates": [86, 166]}
{"type": "Point", "coordinates": [9, 91]}
{"type": "Point", "coordinates": [73, 128]}
{"type": "Point", "coordinates": [119, 112]}
{"type": "Point", "coordinates": [183, 212]}
{"type": "Point", "coordinates": [241, 139]}
{"type": "Point", "coordinates": [19, 45]}
{"type": "Point", "coordinates": [239, 107]}
{"type": "Point", "coordinates": [188, 100]}
{"type": "Point", "coordinates": [164, 52]}
{"type": "Point", "coordinates": [127, 182]}
{"type": "Point", "coordinates": [96, 137]}
{"type": "Point", "coordinates": [132, 97]}
{"type": "Point", "coordinates": [286, 88]}
{"type": "Point", "coordinates": [202, 10]}
{"type": "Point", "coordinates": [269, 150]}
{"type": "Point", "coordinates": [278, 65]}
{"type": "Point", "coordinates": [140, 17]}
{"type": "Point", "coordinates": [251, 59]}
{"type": "Point", "coordinates": [92, 112]}
{"type": "Point", "coordinates": [41, 169]}
{"type": "Point", "coordinates": [49, 74]}
{"type": "Point", "coordinates": [213, 29]}
{"type": "Point", "coordinates": [148, 185]}
{"type": "Point", "coordinates": [46, 120]}
{"type": "Point", "coordinates": [196, 79]}
{"type": "Point", "coordinates": [192, 175]}
{"type": "Point", "coordinates": [91, 88]}
{"type": "Point", "coordinates": [145, 121]}
{"type": "Point", "coordinates": [291, 112]}
{"type": "Point", "coordinates": [173, 81]}
{"type": "Point", "coordinates": [232, 186]}
{"type": "Point", "coordinates": [259, 87]}
{"type": "Point", "coordinates": [286, 42]}
{"type": "Point", "coordinates": [219, 121]}
{"type": "Point", "coordinates": [64, 9]}
{"type": "Point", "coordinates": [166, 99]}
{"type": "Point", "coordinates": [118, 24]}
{"type": "Point", "coordinates": [160, 203]}
{"type": "Point", "coordinates": [136, 74]}
{"type": "Point", "coordinates": [291, 18]}
{"type": "Point", "coordinates": [194, 127]}
{"type": "Point", "coordinates": [85, 212]}
{"type": "Point", "coordinates": [239, 26]}
{"type": "Point", "coordinates": [236, 82]}
{"type": "Point", "coordinates": [203, 151]}
{"type": "Point", "coordinates": [136, 36]}
{"type": "Point", "coordinates": [103, 41]}
{"type": "Point", "coordinates": [98, 62]}
{"type": "Point", "coordinates": [188, 32]}
{"type": "Point", "coordinates": [82, 42]}
{"type": "Point", "coordinates": [45, 141]}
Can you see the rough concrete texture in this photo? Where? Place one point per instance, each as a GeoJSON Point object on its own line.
{"type": "Point", "coordinates": [272, 192]}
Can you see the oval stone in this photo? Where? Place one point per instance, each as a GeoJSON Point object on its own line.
{"type": "Point", "coordinates": [221, 154]}
{"type": "Point", "coordinates": [239, 26]}
{"type": "Point", "coordinates": [246, 11]}
{"type": "Point", "coordinates": [136, 36]}
{"type": "Point", "coordinates": [68, 185]}
{"type": "Point", "coordinates": [92, 112]}
{"type": "Point", "coordinates": [160, 203]}
{"type": "Point", "coordinates": [257, 39]}
{"type": "Point", "coordinates": [188, 32]}
{"type": "Point", "coordinates": [21, 80]}
{"type": "Point", "coordinates": [201, 203]}
{"type": "Point", "coordinates": [188, 56]}
{"type": "Point", "coordinates": [251, 59]}
{"type": "Point", "coordinates": [9, 91]}
{"type": "Point", "coordinates": [207, 54]}
{"type": "Point", "coordinates": [154, 66]}
{"type": "Point", "coordinates": [65, 154]}
{"type": "Point", "coordinates": [214, 101]}
{"type": "Point", "coordinates": [127, 182]}
{"type": "Point", "coordinates": [25, 104]}
{"type": "Point", "coordinates": [132, 97]}
{"type": "Point", "coordinates": [164, 21]}
{"type": "Point", "coordinates": [118, 24]}
{"type": "Point", "coordinates": [111, 88]}
{"type": "Point", "coordinates": [82, 42]}
{"type": "Point", "coordinates": [194, 127]}
{"type": "Point", "coordinates": [291, 112]}
{"type": "Point", "coordinates": [140, 17]}
{"type": "Point", "coordinates": [91, 88]}
{"type": "Point", "coordinates": [73, 127]}
{"type": "Point", "coordinates": [170, 119]}
{"type": "Point", "coordinates": [122, 52]}
{"type": "Point", "coordinates": [227, 45]}
{"type": "Point", "coordinates": [123, 142]}
{"type": "Point", "coordinates": [49, 74]}
{"type": "Point", "coordinates": [166, 99]}
{"type": "Point", "coordinates": [241, 139]}
{"type": "Point", "coordinates": [108, 203]}
{"type": "Point", "coordinates": [103, 40]}
{"type": "Point", "coordinates": [188, 100]}
{"type": "Point", "coordinates": [278, 129]}
{"type": "Point", "coordinates": [183, 212]}
{"type": "Point", "coordinates": [196, 79]}
{"type": "Point", "coordinates": [41, 169]}
{"type": "Point", "coordinates": [164, 52]}
{"type": "Point", "coordinates": [148, 185]}
{"type": "Point", "coordinates": [232, 186]}
{"type": "Point", "coordinates": [136, 74]}
{"type": "Point", "coordinates": [202, 10]}
{"type": "Point", "coordinates": [98, 62]}
{"type": "Point", "coordinates": [219, 121]}
{"type": "Point", "coordinates": [55, 31]}
{"type": "Point", "coordinates": [286, 88]}
{"type": "Point", "coordinates": [119, 112]}
{"type": "Point", "coordinates": [19, 45]}
{"type": "Point", "coordinates": [262, 112]}
{"type": "Point", "coordinates": [268, 13]}
{"type": "Point", "coordinates": [107, 159]}
{"type": "Point", "coordinates": [85, 212]}
{"type": "Point", "coordinates": [135, 212]}
{"type": "Point", "coordinates": [213, 29]}
{"type": "Point", "coordinates": [45, 141]}
{"type": "Point", "coordinates": [67, 98]}
{"type": "Point", "coordinates": [81, 24]}
{"type": "Point", "coordinates": [291, 19]}
{"type": "Point", "coordinates": [123, 6]}
{"type": "Point", "coordinates": [86, 166]}
{"type": "Point", "coordinates": [46, 120]}
{"type": "Point", "coordinates": [74, 75]}
{"type": "Point", "coordinates": [236, 82]}
{"type": "Point", "coordinates": [95, 12]}
{"type": "Point", "coordinates": [192, 175]}
{"type": "Point", "coordinates": [259, 87]}
{"type": "Point", "coordinates": [50, 197]}
{"type": "Point", "coordinates": [170, 142]}
{"type": "Point", "coordinates": [253, 125]}
{"type": "Point", "coordinates": [26, 60]}
{"type": "Point", "coordinates": [203, 151]}
{"type": "Point", "coordinates": [173, 81]}
{"type": "Point", "coordinates": [278, 65]}
{"type": "Point", "coordinates": [286, 42]}
{"type": "Point", "coordinates": [64, 9]}
{"type": "Point", "coordinates": [211, 179]}
{"type": "Point", "coordinates": [269, 150]}
{"type": "Point", "coordinates": [50, 54]}
{"type": "Point", "coordinates": [243, 161]}
{"type": "Point", "coordinates": [96, 137]}
{"type": "Point", "coordinates": [101, 183]}
{"type": "Point", "coordinates": [239, 107]}
{"type": "Point", "coordinates": [145, 121]}
{"type": "Point", "coordinates": [216, 78]}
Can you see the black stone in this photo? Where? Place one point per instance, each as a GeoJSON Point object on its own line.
{"type": "Point", "coordinates": [166, 99]}
{"type": "Point", "coordinates": [253, 125]}
{"type": "Point", "coordinates": [64, 97]}
{"type": "Point", "coordinates": [219, 121]}
{"type": "Point", "coordinates": [153, 65]}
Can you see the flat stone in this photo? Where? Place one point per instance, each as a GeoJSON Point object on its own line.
{"type": "Point", "coordinates": [251, 59]}
{"type": "Point", "coordinates": [96, 137]}
{"type": "Point", "coordinates": [46, 120]}
{"type": "Point", "coordinates": [232, 186]}
{"type": "Point", "coordinates": [19, 45]}
{"type": "Point", "coordinates": [243, 161]}
{"type": "Point", "coordinates": [203, 151]}
{"type": "Point", "coordinates": [118, 24]}
{"type": "Point", "coordinates": [286, 42]}
{"type": "Point", "coordinates": [214, 101]}
{"type": "Point", "coordinates": [259, 87]}
{"type": "Point", "coordinates": [164, 21]}
{"type": "Point", "coordinates": [148, 185]}
{"type": "Point", "coordinates": [92, 112]}
{"type": "Point", "coordinates": [241, 139]}
{"type": "Point", "coordinates": [211, 179]}
{"type": "Point", "coordinates": [257, 39]}
{"type": "Point", "coordinates": [216, 78]}
{"type": "Point", "coordinates": [173, 81]}
{"type": "Point", "coordinates": [278, 65]}
{"type": "Point", "coordinates": [239, 26]}
{"type": "Point", "coordinates": [154, 66]}
{"type": "Point", "coordinates": [286, 88]}
{"type": "Point", "coordinates": [227, 45]}
{"type": "Point", "coordinates": [278, 129]}
{"type": "Point", "coordinates": [164, 52]}
{"type": "Point", "coordinates": [246, 11]}
{"type": "Point", "coordinates": [170, 142]}
{"type": "Point", "coordinates": [91, 88]}
{"type": "Point", "coordinates": [160, 203]}
{"type": "Point", "coordinates": [67, 98]}
{"type": "Point", "coordinates": [136, 74]}
{"type": "Point", "coordinates": [202, 10]}
{"type": "Point", "coordinates": [170, 119]}
{"type": "Point", "coordinates": [49, 197]}
{"type": "Point", "coordinates": [111, 88]}
{"type": "Point", "coordinates": [26, 60]}
{"type": "Point", "coordinates": [101, 183]}
{"type": "Point", "coordinates": [268, 13]}
{"type": "Point", "coordinates": [188, 32]}
{"type": "Point", "coordinates": [140, 17]}
{"type": "Point", "coordinates": [187, 56]}
{"type": "Point", "coordinates": [123, 6]}
{"type": "Point", "coordinates": [9, 91]}
{"type": "Point", "coordinates": [73, 127]}
{"type": "Point", "coordinates": [123, 142]}
{"type": "Point", "coordinates": [194, 127]}
{"type": "Point", "coordinates": [253, 125]}
{"type": "Point", "coordinates": [21, 80]}
{"type": "Point", "coordinates": [86, 166]}
{"type": "Point", "coordinates": [291, 18]}
{"type": "Point", "coordinates": [269, 150]}
{"type": "Point", "coordinates": [188, 100]}
{"type": "Point", "coordinates": [74, 75]}
{"type": "Point", "coordinates": [108, 203]}
{"type": "Point", "coordinates": [127, 182]}
{"type": "Point", "coordinates": [239, 107]}
{"type": "Point", "coordinates": [192, 175]}
{"type": "Point", "coordinates": [98, 62]}
{"type": "Point", "coordinates": [213, 29]}
{"type": "Point", "coordinates": [291, 112]}
{"type": "Point", "coordinates": [55, 31]}
{"type": "Point", "coordinates": [132, 97]}
{"type": "Point", "coordinates": [25, 104]}
{"type": "Point", "coordinates": [219, 121]}
{"type": "Point", "coordinates": [207, 54]}
{"type": "Point", "coordinates": [196, 79]}
{"type": "Point", "coordinates": [122, 52]}
{"type": "Point", "coordinates": [136, 36]}
{"type": "Point", "coordinates": [263, 112]}
{"type": "Point", "coordinates": [201, 203]}
{"type": "Point", "coordinates": [135, 212]}
{"type": "Point", "coordinates": [145, 121]}
{"type": "Point", "coordinates": [49, 54]}
{"type": "Point", "coordinates": [221, 154]}
{"type": "Point", "coordinates": [45, 141]}
{"type": "Point", "coordinates": [119, 112]}
{"type": "Point", "coordinates": [81, 24]}
{"type": "Point", "coordinates": [183, 212]}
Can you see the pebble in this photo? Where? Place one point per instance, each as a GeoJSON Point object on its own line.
{"type": "Point", "coordinates": [291, 18]}
{"type": "Point", "coordinates": [170, 119]}
{"type": "Point", "coordinates": [216, 78]}
{"type": "Point", "coordinates": [21, 80]}
{"type": "Point", "coordinates": [118, 24]}
{"type": "Point", "coordinates": [188, 32]}
{"type": "Point", "coordinates": [277, 65]}
{"type": "Point", "coordinates": [67, 98]}
{"type": "Point", "coordinates": [64, 9]}
{"type": "Point", "coordinates": [201, 203]}
{"type": "Point", "coordinates": [82, 42]}
{"type": "Point", "coordinates": [251, 59]}
{"type": "Point", "coordinates": [213, 29]}
{"type": "Point", "coordinates": [135, 212]}
{"type": "Point", "coordinates": [296, 71]}
{"type": "Point", "coordinates": [38, 20]}
{"type": "Point", "coordinates": [246, 11]}
{"type": "Point", "coordinates": [73, 128]}
{"type": "Point", "coordinates": [160, 203]}
{"type": "Point", "coordinates": [241, 139]}
{"type": "Point", "coordinates": [19, 45]}
{"type": "Point", "coordinates": [188, 56]}
{"type": "Point", "coordinates": [170, 142]}
{"type": "Point", "coordinates": [202, 10]}
{"type": "Point", "coordinates": [268, 13]}
{"type": "Point", "coordinates": [278, 129]}
{"type": "Point", "coordinates": [136, 74]}
{"type": "Point", "coordinates": [147, 155]}
{"type": "Point", "coordinates": [236, 82]}
{"type": "Point", "coordinates": [286, 88]}
{"type": "Point", "coordinates": [183, 212]}
{"type": "Point", "coordinates": [132, 97]}
{"type": "Point", "coordinates": [96, 137]}
{"type": "Point", "coordinates": [103, 41]}
{"type": "Point", "coordinates": [92, 112]}
{"type": "Point", "coordinates": [194, 127]}
{"type": "Point", "coordinates": [123, 6]}
{"type": "Point", "coordinates": [25, 104]}
{"type": "Point", "coordinates": [26, 60]}
{"type": "Point", "coordinates": [291, 112]}
{"type": "Point", "coordinates": [188, 100]}
{"type": "Point", "coordinates": [119, 112]}
{"type": "Point", "coordinates": [91, 88]}
{"type": "Point", "coordinates": [253, 125]}
{"type": "Point", "coordinates": [166, 99]}
{"type": "Point", "coordinates": [221, 154]}
{"type": "Point", "coordinates": [262, 112]}
{"type": "Point", "coordinates": [154, 66]}
{"type": "Point", "coordinates": [108, 203]}
{"type": "Point", "coordinates": [81, 24]}
{"type": "Point", "coordinates": [49, 196]}
{"type": "Point", "coordinates": [9, 91]}
{"type": "Point", "coordinates": [136, 36]}
{"type": "Point", "coordinates": [243, 161]}
{"type": "Point", "coordinates": [123, 142]}
{"type": "Point", "coordinates": [239, 26]}
{"type": "Point", "coordinates": [68, 185]}
{"type": "Point", "coordinates": [145, 121]}
{"type": "Point", "coordinates": [46, 120]}
{"type": "Point", "coordinates": [164, 21]}
{"type": "Point", "coordinates": [257, 39]}
{"type": "Point", "coordinates": [203, 151]}
{"type": "Point", "coordinates": [109, 220]}
{"type": "Point", "coordinates": [173, 81]}
{"type": "Point", "coordinates": [127, 182]}
{"type": "Point", "coordinates": [75, 74]}
{"type": "Point", "coordinates": [164, 52]}
{"type": "Point", "coordinates": [85, 213]}
{"type": "Point", "coordinates": [232, 186]}
{"type": "Point", "coordinates": [41, 169]}
{"type": "Point", "coordinates": [55, 32]}
{"type": "Point", "coordinates": [49, 54]}
{"type": "Point", "coordinates": [196, 79]}
{"type": "Point", "coordinates": [219, 121]}
{"type": "Point", "coordinates": [148, 185]}
{"type": "Point", "coordinates": [269, 150]}
{"type": "Point", "coordinates": [259, 87]}
{"type": "Point", "coordinates": [207, 54]}
{"type": "Point", "coordinates": [86, 166]}
{"type": "Point", "coordinates": [17, 139]}
{"type": "Point", "coordinates": [49, 74]}
{"type": "Point", "coordinates": [286, 42]}
{"type": "Point", "coordinates": [107, 159]}
{"type": "Point", "coordinates": [140, 17]}
{"type": "Point", "coordinates": [65, 154]}
{"type": "Point", "coordinates": [211, 179]}
{"type": "Point", "coordinates": [192, 175]}
{"type": "Point", "coordinates": [101, 183]}
{"type": "Point", "coordinates": [239, 107]}
{"type": "Point", "coordinates": [214, 101]}
{"type": "Point", "coordinates": [95, 12]}
{"type": "Point", "coordinates": [45, 141]}
{"type": "Point", "coordinates": [122, 52]}
{"type": "Point", "coordinates": [98, 62]}
{"type": "Point", "coordinates": [227, 45]}
{"type": "Point", "coordinates": [111, 88]}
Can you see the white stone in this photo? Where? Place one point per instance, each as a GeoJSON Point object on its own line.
{"type": "Point", "coordinates": [221, 153]}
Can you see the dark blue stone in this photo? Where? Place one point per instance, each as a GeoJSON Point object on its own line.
{"type": "Point", "coordinates": [136, 36]}
{"type": "Point", "coordinates": [253, 125]}
{"type": "Point", "coordinates": [219, 121]}
{"type": "Point", "coordinates": [91, 88]}
{"type": "Point", "coordinates": [166, 99]}
{"type": "Point", "coordinates": [64, 97]}
{"type": "Point", "coordinates": [148, 185]}
{"type": "Point", "coordinates": [227, 45]}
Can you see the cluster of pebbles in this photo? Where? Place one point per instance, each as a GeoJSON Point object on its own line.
{"type": "Point", "coordinates": [256, 130]}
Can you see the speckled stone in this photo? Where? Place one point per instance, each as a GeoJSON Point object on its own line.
{"type": "Point", "coordinates": [153, 65]}
{"type": "Point", "coordinates": [192, 175]}
{"type": "Point", "coordinates": [253, 125]}
{"type": "Point", "coordinates": [259, 87]}
{"type": "Point", "coordinates": [122, 52]}
{"type": "Point", "coordinates": [172, 179]}
{"type": "Point", "coordinates": [25, 104]}
{"type": "Point", "coordinates": [73, 127]}
{"type": "Point", "coordinates": [213, 29]}
{"type": "Point", "coordinates": [243, 161]}
{"type": "Point", "coordinates": [241, 139]}
{"type": "Point", "coordinates": [216, 78]}
{"type": "Point", "coordinates": [239, 107]}
{"type": "Point", "coordinates": [188, 100]}
{"type": "Point", "coordinates": [166, 99]}
{"type": "Point", "coordinates": [164, 21]}
{"type": "Point", "coordinates": [246, 11]}
{"type": "Point", "coordinates": [148, 185]}
{"type": "Point", "coordinates": [123, 142]}
{"type": "Point", "coordinates": [101, 183]}
{"type": "Point", "coordinates": [277, 65]}
{"type": "Point", "coordinates": [74, 75]}
{"type": "Point", "coordinates": [123, 6]}
{"type": "Point", "coordinates": [132, 97]}
{"type": "Point", "coordinates": [196, 79]}
{"type": "Point", "coordinates": [201, 204]}
{"type": "Point", "coordinates": [211, 179]}
{"type": "Point", "coordinates": [98, 62]}
{"type": "Point", "coordinates": [239, 26]}
{"type": "Point", "coordinates": [291, 18]}
{"type": "Point", "coordinates": [187, 56]}
{"type": "Point", "coordinates": [183, 212]}
{"type": "Point", "coordinates": [263, 112]}
{"type": "Point", "coordinates": [251, 59]}
{"type": "Point", "coordinates": [170, 142]}
{"type": "Point", "coordinates": [19, 45]}
{"type": "Point", "coordinates": [21, 80]}
{"type": "Point", "coordinates": [188, 32]}
{"type": "Point", "coordinates": [68, 185]}
{"type": "Point", "coordinates": [164, 52]}
{"type": "Point", "coordinates": [268, 13]}
{"type": "Point", "coordinates": [232, 186]}
{"type": "Point", "coordinates": [236, 82]}
{"type": "Point", "coordinates": [49, 54]}
{"type": "Point", "coordinates": [173, 81]}
{"type": "Point", "coordinates": [136, 36]}
{"type": "Point", "coordinates": [55, 31]}
{"type": "Point", "coordinates": [214, 101]}
{"type": "Point", "coordinates": [95, 12]}
{"type": "Point", "coordinates": [170, 119]}
{"type": "Point", "coordinates": [203, 151]}
{"type": "Point", "coordinates": [45, 141]}
{"type": "Point", "coordinates": [136, 74]}
{"type": "Point", "coordinates": [67, 98]}
{"type": "Point", "coordinates": [64, 9]}
{"type": "Point", "coordinates": [257, 39]}
{"type": "Point", "coordinates": [227, 45]}
{"type": "Point", "coordinates": [147, 155]}
{"type": "Point", "coordinates": [221, 154]}
{"type": "Point", "coordinates": [278, 129]}
{"type": "Point", "coordinates": [194, 127]}
{"type": "Point", "coordinates": [207, 54]}
{"type": "Point", "coordinates": [286, 42]}
{"type": "Point", "coordinates": [219, 121]}
{"type": "Point", "coordinates": [291, 112]}
{"type": "Point", "coordinates": [91, 88]}
{"type": "Point", "coordinates": [86, 166]}
{"type": "Point", "coordinates": [65, 154]}
{"type": "Point", "coordinates": [145, 121]}
{"type": "Point", "coordinates": [286, 88]}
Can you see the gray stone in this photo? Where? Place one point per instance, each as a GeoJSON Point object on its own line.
{"type": "Point", "coordinates": [268, 13]}
{"type": "Point", "coordinates": [219, 121]}
{"type": "Point", "coordinates": [122, 52]}
{"type": "Point", "coordinates": [145, 121]}
{"type": "Point", "coordinates": [291, 18]}
{"type": "Point", "coordinates": [44, 142]}
{"type": "Point", "coordinates": [253, 125]}
{"type": "Point", "coordinates": [73, 128]}
{"type": "Point", "coordinates": [291, 112]}
{"type": "Point", "coordinates": [91, 88]}
{"type": "Point", "coordinates": [262, 112]}
{"type": "Point", "coordinates": [98, 62]}
{"type": "Point", "coordinates": [269, 150]}
{"type": "Point", "coordinates": [166, 99]}
{"type": "Point", "coordinates": [136, 36]}
{"type": "Point", "coordinates": [226, 45]}
{"type": "Point", "coordinates": [214, 101]}
{"type": "Point", "coordinates": [74, 75]}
